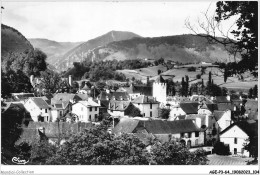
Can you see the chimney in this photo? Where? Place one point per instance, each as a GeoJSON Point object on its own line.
{"type": "Point", "coordinates": [121, 98]}
{"type": "Point", "coordinates": [70, 80]}
{"type": "Point", "coordinates": [228, 97]}
{"type": "Point", "coordinates": [107, 91]}
{"type": "Point", "coordinates": [198, 122]}
{"type": "Point", "coordinates": [240, 97]}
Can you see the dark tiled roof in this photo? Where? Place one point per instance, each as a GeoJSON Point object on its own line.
{"type": "Point", "coordinates": [251, 129]}
{"type": "Point", "coordinates": [221, 99]}
{"type": "Point", "coordinates": [144, 99]}
{"type": "Point", "coordinates": [189, 107]}
{"type": "Point", "coordinates": [125, 125]}
{"type": "Point", "coordinates": [142, 89]}
{"type": "Point", "coordinates": [117, 95]}
{"type": "Point", "coordinates": [194, 116]}
{"type": "Point", "coordinates": [218, 114]}
{"type": "Point", "coordinates": [40, 102]}
{"type": "Point", "coordinates": [169, 127]}
{"type": "Point", "coordinates": [224, 107]}
{"type": "Point", "coordinates": [212, 106]}
{"type": "Point", "coordinates": [156, 126]}
{"type": "Point", "coordinates": [62, 97]}
{"type": "Point", "coordinates": [119, 105]}
{"type": "Point", "coordinates": [83, 96]}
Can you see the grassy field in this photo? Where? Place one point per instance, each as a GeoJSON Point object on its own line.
{"type": "Point", "coordinates": [227, 160]}
{"type": "Point", "coordinates": [232, 82]}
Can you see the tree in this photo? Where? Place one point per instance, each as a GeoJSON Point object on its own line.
{"type": "Point", "coordinates": [95, 146]}
{"type": "Point", "coordinates": [221, 149]}
{"type": "Point", "coordinates": [245, 32]}
{"type": "Point", "coordinates": [170, 153]}
{"type": "Point", "coordinates": [50, 81]}
{"type": "Point", "coordinates": [251, 145]}
{"type": "Point", "coordinates": [255, 91]}
{"type": "Point", "coordinates": [187, 85]}
{"type": "Point", "coordinates": [41, 151]}
{"type": "Point", "coordinates": [250, 93]}
{"type": "Point", "coordinates": [159, 71]}
{"type": "Point", "coordinates": [164, 113]}
{"type": "Point", "coordinates": [210, 78]}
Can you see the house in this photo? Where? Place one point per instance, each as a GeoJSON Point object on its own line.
{"type": "Point", "coordinates": [182, 131]}
{"type": "Point", "coordinates": [236, 135]}
{"type": "Point", "coordinates": [204, 109]}
{"type": "Point", "coordinates": [175, 100]}
{"type": "Point", "coordinates": [148, 106]}
{"type": "Point", "coordinates": [223, 119]}
{"type": "Point", "coordinates": [86, 110]}
{"type": "Point", "coordinates": [222, 99]}
{"type": "Point", "coordinates": [60, 109]}
{"type": "Point", "coordinates": [107, 95]}
{"type": "Point", "coordinates": [206, 122]}
{"type": "Point", "coordinates": [73, 98]}
{"type": "Point", "coordinates": [184, 108]}
{"type": "Point", "coordinates": [137, 90]}
{"type": "Point", "coordinates": [38, 109]}
{"type": "Point", "coordinates": [122, 108]}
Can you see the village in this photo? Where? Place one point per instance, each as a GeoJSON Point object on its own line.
{"type": "Point", "coordinates": [147, 111]}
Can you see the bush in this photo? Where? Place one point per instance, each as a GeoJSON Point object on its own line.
{"type": "Point", "coordinates": [221, 149]}
{"type": "Point", "coordinates": [198, 76]}
{"type": "Point", "coordinates": [191, 69]}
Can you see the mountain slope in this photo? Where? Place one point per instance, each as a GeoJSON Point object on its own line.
{"type": "Point", "coordinates": [181, 48]}
{"type": "Point", "coordinates": [13, 41]}
{"type": "Point", "coordinates": [79, 52]}
{"type": "Point", "coordinates": [53, 49]}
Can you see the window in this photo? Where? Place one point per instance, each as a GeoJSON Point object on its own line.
{"type": "Point", "coordinates": [60, 113]}
{"type": "Point", "coordinates": [95, 108]}
{"type": "Point", "coordinates": [151, 106]}
{"type": "Point", "coordinates": [151, 113]}
{"type": "Point", "coordinates": [47, 118]}
{"type": "Point", "coordinates": [96, 117]}
{"type": "Point", "coordinates": [46, 111]}
{"type": "Point", "coordinates": [235, 150]}
{"type": "Point", "coordinates": [89, 119]}
{"type": "Point", "coordinates": [196, 142]}
{"type": "Point", "coordinates": [144, 114]}
{"type": "Point", "coordinates": [197, 134]}
{"type": "Point", "coordinates": [182, 134]}
{"type": "Point", "coordinates": [90, 109]}
{"type": "Point", "coordinates": [235, 140]}
{"type": "Point", "coordinates": [189, 134]}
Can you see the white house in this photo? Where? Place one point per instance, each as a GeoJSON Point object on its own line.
{"type": "Point", "coordinates": [223, 119]}
{"type": "Point", "coordinates": [86, 110]}
{"type": "Point", "coordinates": [60, 109]}
{"type": "Point", "coordinates": [148, 106]}
{"type": "Point", "coordinates": [39, 109]}
{"type": "Point", "coordinates": [236, 134]}
{"type": "Point", "coordinates": [184, 108]}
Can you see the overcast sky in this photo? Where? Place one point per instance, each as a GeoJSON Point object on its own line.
{"type": "Point", "coordinates": [81, 21]}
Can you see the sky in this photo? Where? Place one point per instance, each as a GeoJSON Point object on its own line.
{"type": "Point", "coordinates": [81, 21]}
